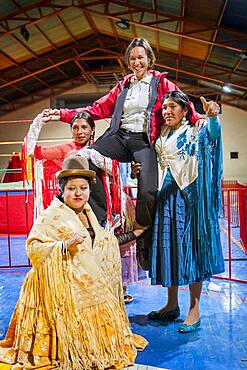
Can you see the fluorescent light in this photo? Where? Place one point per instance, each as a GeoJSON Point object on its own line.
{"type": "Point", "coordinates": [123, 24]}
{"type": "Point", "coordinates": [243, 56]}
{"type": "Point", "coordinates": [226, 89]}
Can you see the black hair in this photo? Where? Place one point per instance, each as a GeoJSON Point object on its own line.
{"type": "Point", "coordinates": [84, 116]}
{"type": "Point", "coordinates": [64, 180]}
{"type": "Point", "coordinates": [180, 98]}
{"type": "Point", "coordinates": [146, 46]}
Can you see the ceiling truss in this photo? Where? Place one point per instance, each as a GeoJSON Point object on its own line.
{"type": "Point", "coordinates": [99, 56]}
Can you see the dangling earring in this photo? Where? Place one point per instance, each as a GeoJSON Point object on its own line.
{"type": "Point", "coordinates": [91, 139]}
{"type": "Point", "coordinates": [184, 120]}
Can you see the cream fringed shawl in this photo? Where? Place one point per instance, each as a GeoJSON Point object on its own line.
{"type": "Point", "coordinates": [70, 314]}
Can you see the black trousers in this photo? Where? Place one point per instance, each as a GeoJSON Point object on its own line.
{"type": "Point", "coordinates": [126, 146]}
{"type": "Point", "coordinates": [97, 199]}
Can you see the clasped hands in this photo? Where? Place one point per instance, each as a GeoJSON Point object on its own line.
{"type": "Point", "coordinates": [50, 115]}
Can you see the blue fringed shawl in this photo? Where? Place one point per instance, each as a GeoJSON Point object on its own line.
{"type": "Point", "coordinates": [203, 199]}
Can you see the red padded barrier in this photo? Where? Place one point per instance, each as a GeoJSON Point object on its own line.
{"type": "Point", "coordinates": [16, 216]}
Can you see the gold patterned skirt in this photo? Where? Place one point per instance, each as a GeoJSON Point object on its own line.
{"type": "Point", "coordinates": [70, 317]}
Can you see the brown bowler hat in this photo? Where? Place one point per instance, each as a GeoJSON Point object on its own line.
{"type": "Point", "coordinates": [74, 166]}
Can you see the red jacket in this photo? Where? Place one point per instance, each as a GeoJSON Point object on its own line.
{"type": "Point", "coordinates": [56, 152]}
{"type": "Point", "coordinates": [112, 105]}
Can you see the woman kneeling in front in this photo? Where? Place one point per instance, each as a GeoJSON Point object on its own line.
{"type": "Point", "coordinates": [71, 313]}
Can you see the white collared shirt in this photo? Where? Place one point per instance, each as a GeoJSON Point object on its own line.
{"type": "Point", "coordinates": [135, 105]}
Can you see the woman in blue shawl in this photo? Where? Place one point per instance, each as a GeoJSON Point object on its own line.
{"type": "Point", "coordinates": [186, 247]}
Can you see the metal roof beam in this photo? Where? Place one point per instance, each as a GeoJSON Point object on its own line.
{"type": "Point", "coordinates": [169, 32]}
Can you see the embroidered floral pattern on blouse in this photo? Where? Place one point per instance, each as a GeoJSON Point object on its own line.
{"type": "Point", "coordinates": [182, 154]}
{"type": "Point", "coordinates": [190, 148]}
{"type": "Point", "coordinates": [181, 140]}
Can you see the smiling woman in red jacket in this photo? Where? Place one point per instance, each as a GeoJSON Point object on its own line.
{"type": "Point", "coordinates": [135, 106]}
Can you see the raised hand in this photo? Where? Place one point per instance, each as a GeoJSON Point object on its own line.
{"type": "Point", "coordinates": [211, 108]}
{"type": "Point", "coordinates": [50, 115]}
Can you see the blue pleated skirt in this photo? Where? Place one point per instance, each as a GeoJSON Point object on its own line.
{"type": "Point", "coordinates": [177, 256]}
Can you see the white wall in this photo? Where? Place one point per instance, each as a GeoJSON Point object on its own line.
{"type": "Point", "coordinates": [234, 133]}
{"type": "Point", "coordinates": [234, 130]}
